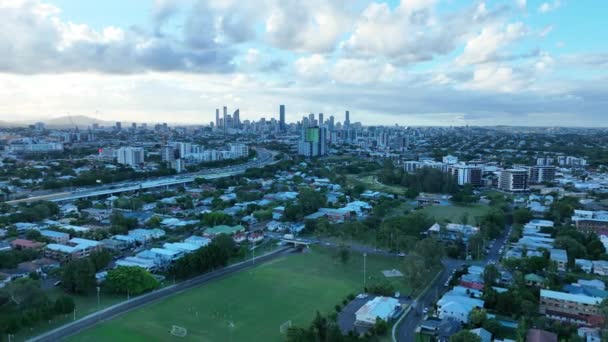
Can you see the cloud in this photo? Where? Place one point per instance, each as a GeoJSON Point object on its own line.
{"type": "Point", "coordinates": [255, 60]}
{"type": "Point", "coordinates": [521, 4]}
{"type": "Point", "coordinates": [43, 43]}
{"type": "Point", "coordinates": [312, 69]}
{"type": "Point", "coordinates": [495, 77]}
{"type": "Point", "coordinates": [486, 46]}
{"type": "Point", "coordinates": [546, 7]}
{"type": "Point", "coordinates": [307, 26]}
{"type": "Point", "coordinates": [414, 31]}
{"type": "Point", "coordinates": [545, 32]}
{"type": "Point", "coordinates": [162, 10]}
{"type": "Point", "coordinates": [357, 71]}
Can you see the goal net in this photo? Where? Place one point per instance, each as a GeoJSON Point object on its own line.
{"type": "Point", "coordinates": [283, 328]}
{"type": "Point", "coordinates": [178, 331]}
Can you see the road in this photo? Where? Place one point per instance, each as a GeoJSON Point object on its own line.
{"type": "Point", "coordinates": [265, 157]}
{"type": "Point", "coordinates": [353, 246]}
{"type": "Point", "coordinates": [137, 302]}
{"type": "Point", "coordinates": [406, 328]}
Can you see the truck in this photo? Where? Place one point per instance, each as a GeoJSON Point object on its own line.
{"type": "Point", "coordinates": [288, 236]}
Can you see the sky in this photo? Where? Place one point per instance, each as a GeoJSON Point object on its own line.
{"type": "Point", "coordinates": [408, 62]}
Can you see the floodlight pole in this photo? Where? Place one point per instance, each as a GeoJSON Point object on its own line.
{"type": "Point", "coordinates": [98, 289]}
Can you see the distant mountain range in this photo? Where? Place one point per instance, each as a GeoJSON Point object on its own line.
{"type": "Point", "coordinates": [80, 121]}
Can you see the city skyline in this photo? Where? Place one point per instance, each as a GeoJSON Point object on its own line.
{"type": "Point", "coordinates": [508, 63]}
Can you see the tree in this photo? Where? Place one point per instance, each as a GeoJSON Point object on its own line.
{"type": "Point", "coordinates": [431, 250]}
{"type": "Point", "coordinates": [130, 280]}
{"type": "Point", "coordinates": [344, 255]}
{"type": "Point", "coordinates": [319, 327]}
{"type": "Point", "coordinates": [33, 235]}
{"type": "Point", "coordinates": [411, 193]}
{"type": "Point", "coordinates": [310, 200]}
{"type": "Point", "coordinates": [465, 336]}
{"type": "Point", "coordinates": [492, 325]}
{"type": "Point", "coordinates": [78, 276]}
{"type": "Point", "coordinates": [381, 327]}
{"type": "Point", "coordinates": [478, 317]}
{"type": "Point", "coordinates": [154, 221]}
{"type": "Point", "coordinates": [522, 216]}
{"type": "Point", "coordinates": [101, 259]}
{"type": "Point", "coordinates": [604, 311]}
{"type": "Point", "coordinates": [64, 304]}
{"type": "Point", "coordinates": [415, 270]}
{"type": "Point", "coordinates": [490, 274]}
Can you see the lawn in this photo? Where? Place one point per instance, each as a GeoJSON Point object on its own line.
{"type": "Point", "coordinates": [370, 182]}
{"type": "Point", "coordinates": [256, 301]}
{"type": "Point", "coordinates": [85, 305]}
{"type": "Point", "coordinates": [454, 213]}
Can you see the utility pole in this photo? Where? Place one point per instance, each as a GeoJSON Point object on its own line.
{"type": "Point", "coordinates": [364, 269]}
{"type": "Point", "coordinates": [74, 314]}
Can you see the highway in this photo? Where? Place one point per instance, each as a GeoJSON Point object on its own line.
{"type": "Point", "coordinates": [264, 158]}
{"type": "Point", "coordinates": [405, 330]}
{"type": "Point", "coordinates": [137, 302]}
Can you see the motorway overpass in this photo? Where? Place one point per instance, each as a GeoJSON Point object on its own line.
{"type": "Point", "coordinates": [264, 158]}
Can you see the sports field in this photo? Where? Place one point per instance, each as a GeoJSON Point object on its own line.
{"type": "Point", "coordinates": [453, 213]}
{"type": "Point", "coordinates": [251, 305]}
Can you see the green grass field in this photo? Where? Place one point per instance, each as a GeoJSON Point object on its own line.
{"type": "Point", "coordinates": [257, 301]}
{"type": "Point", "coordinates": [370, 182]}
{"type": "Point", "coordinates": [85, 305]}
{"type": "Point", "coordinates": [454, 213]}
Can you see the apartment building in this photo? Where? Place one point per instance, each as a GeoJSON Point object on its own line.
{"type": "Point", "coordinates": [541, 173]}
{"type": "Point", "coordinates": [466, 174]}
{"type": "Point", "coordinates": [75, 248]}
{"type": "Point", "coordinates": [572, 308]}
{"type": "Point", "coordinates": [513, 180]}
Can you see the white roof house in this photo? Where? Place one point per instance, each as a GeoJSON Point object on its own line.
{"type": "Point", "coordinates": [568, 297]}
{"type": "Point", "coordinates": [379, 307]}
{"type": "Point", "coordinates": [198, 240]}
{"type": "Point", "coordinates": [166, 254]}
{"type": "Point", "coordinates": [181, 247]}
{"type": "Point", "coordinates": [458, 306]}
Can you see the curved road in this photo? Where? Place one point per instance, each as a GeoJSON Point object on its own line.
{"type": "Point", "coordinates": [265, 157]}
{"type": "Point", "coordinates": [137, 302]}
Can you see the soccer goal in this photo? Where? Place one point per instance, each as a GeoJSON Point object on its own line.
{"type": "Point", "coordinates": [284, 327]}
{"type": "Point", "coordinates": [178, 331]}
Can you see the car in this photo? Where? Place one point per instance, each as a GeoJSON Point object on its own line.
{"type": "Point", "coordinates": [425, 311]}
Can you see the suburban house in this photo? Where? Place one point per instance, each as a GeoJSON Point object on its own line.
{"type": "Point", "coordinates": [25, 244]}
{"type": "Point", "coordinates": [57, 237]}
{"type": "Point", "coordinates": [458, 306]}
{"type": "Point", "coordinates": [560, 256]}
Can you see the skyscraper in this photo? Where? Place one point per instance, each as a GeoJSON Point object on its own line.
{"type": "Point", "coordinates": [217, 117]}
{"type": "Point", "coordinates": [282, 118]}
{"type": "Point", "coordinates": [347, 120]}
{"type": "Point", "coordinates": [321, 122]}
{"type": "Point", "coordinates": [311, 119]}
{"type": "Point", "coordinates": [313, 141]}
{"type": "Point", "coordinates": [331, 123]}
{"type": "Point", "coordinates": [236, 119]}
{"type": "Point", "coordinates": [225, 114]}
